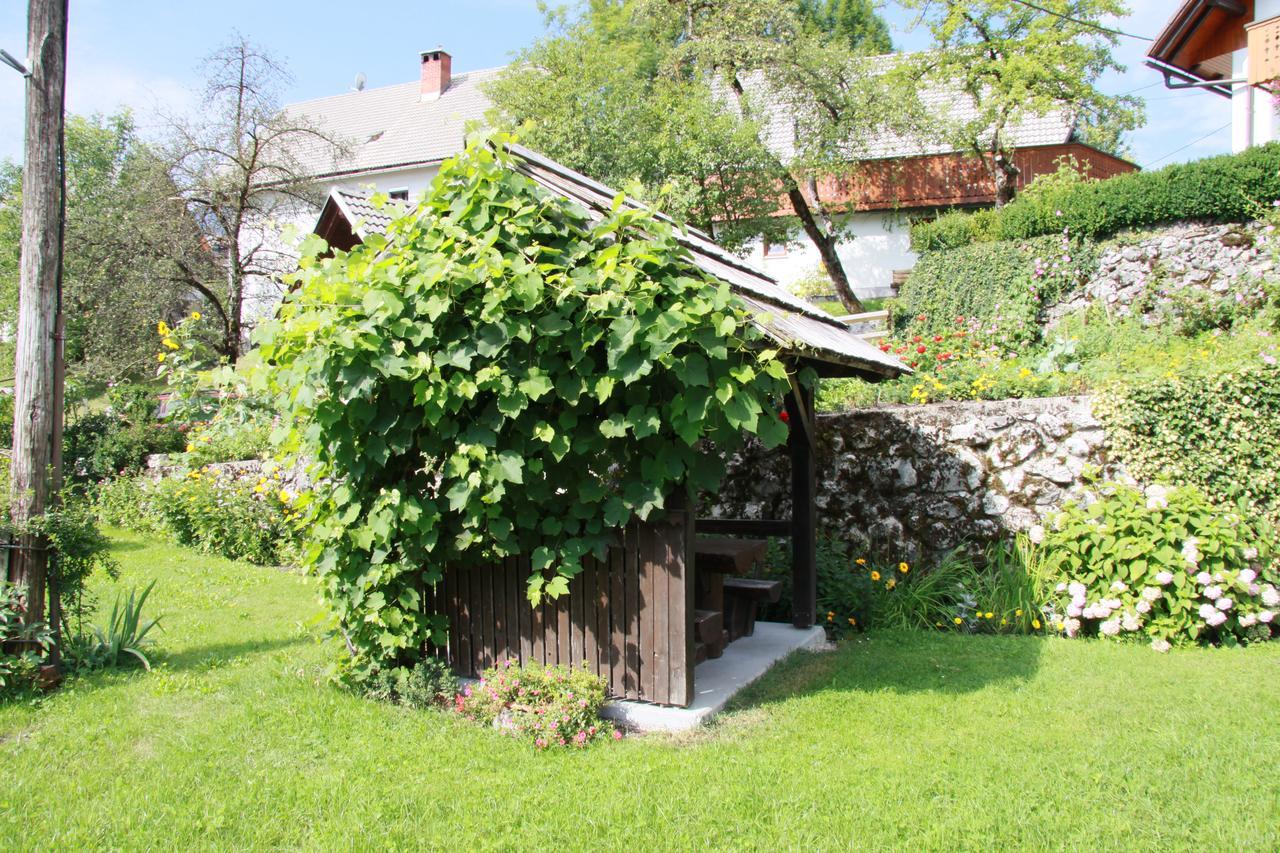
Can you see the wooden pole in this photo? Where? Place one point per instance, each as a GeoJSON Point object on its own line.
{"type": "Point", "coordinates": [804, 515]}
{"type": "Point", "coordinates": [35, 394]}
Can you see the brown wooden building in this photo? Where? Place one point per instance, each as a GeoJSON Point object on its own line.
{"type": "Point", "coordinates": [643, 617]}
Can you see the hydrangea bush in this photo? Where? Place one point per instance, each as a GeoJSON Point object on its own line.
{"type": "Point", "coordinates": [551, 705]}
{"type": "Point", "coordinates": [1162, 563]}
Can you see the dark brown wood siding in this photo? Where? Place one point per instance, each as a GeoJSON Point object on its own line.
{"type": "Point", "coordinates": [627, 618]}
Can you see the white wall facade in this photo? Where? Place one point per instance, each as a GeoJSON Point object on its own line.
{"type": "Point", "coordinates": [872, 245]}
{"type": "Point", "coordinates": [1253, 112]}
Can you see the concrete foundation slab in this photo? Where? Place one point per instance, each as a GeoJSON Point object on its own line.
{"type": "Point", "coordinates": [715, 682]}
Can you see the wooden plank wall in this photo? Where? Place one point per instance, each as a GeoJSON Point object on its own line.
{"type": "Point", "coordinates": [629, 618]}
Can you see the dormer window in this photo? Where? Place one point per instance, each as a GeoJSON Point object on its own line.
{"type": "Point", "coordinates": [401, 194]}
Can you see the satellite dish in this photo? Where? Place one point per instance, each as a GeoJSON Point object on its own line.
{"type": "Point", "coordinates": [360, 81]}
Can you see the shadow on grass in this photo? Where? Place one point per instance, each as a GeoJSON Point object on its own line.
{"type": "Point", "coordinates": [217, 654]}
{"type": "Point", "coordinates": [898, 661]}
{"type": "Point", "coordinates": [119, 545]}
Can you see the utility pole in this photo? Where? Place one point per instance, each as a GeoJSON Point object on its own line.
{"type": "Point", "coordinates": [37, 421]}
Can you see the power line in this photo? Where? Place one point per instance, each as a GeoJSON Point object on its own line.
{"type": "Point", "coordinates": [1088, 24]}
{"type": "Point", "coordinates": [1188, 145]}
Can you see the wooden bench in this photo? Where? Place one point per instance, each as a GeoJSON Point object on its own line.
{"type": "Point", "coordinates": [742, 599]}
{"type": "Point", "coordinates": [708, 634]}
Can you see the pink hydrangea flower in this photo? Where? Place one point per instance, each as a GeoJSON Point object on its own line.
{"type": "Point", "coordinates": [1204, 579]}
{"type": "Point", "coordinates": [1151, 593]}
{"type": "Point", "coordinates": [1247, 576]}
{"type": "Point", "coordinates": [1111, 627]}
{"type": "Point", "coordinates": [1207, 610]}
{"type": "Point", "coordinates": [1223, 603]}
{"type": "Point", "coordinates": [1143, 606]}
{"type": "Point", "coordinates": [1270, 597]}
{"type": "Point", "coordinates": [1212, 592]}
{"type": "Point", "coordinates": [1216, 619]}
{"type": "Point", "coordinates": [1164, 578]}
{"type": "Point", "coordinates": [1265, 617]}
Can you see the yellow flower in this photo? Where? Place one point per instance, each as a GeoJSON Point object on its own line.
{"type": "Point", "coordinates": [163, 329]}
{"type": "Point", "coordinates": [853, 621]}
{"type": "Point", "coordinates": [1017, 613]}
{"type": "Point", "coordinates": [1004, 621]}
{"type": "Point", "coordinates": [890, 584]}
{"type": "Point", "coordinates": [958, 620]}
{"type": "Point", "coordinates": [937, 624]}
{"type": "Point", "coordinates": [1024, 373]}
{"type": "Point", "coordinates": [190, 447]}
{"type": "Point", "coordinates": [1035, 624]}
{"type": "Point", "coordinates": [284, 497]}
{"type": "Point", "coordinates": [875, 576]}
{"type": "Point", "coordinates": [861, 561]}
{"type": "Point", "coordinates": [160, 357]}
{"type": "Point", "coordinates": [990, 614]}
{"type": "Point", "coordinates": [904, 568]}
{"type": "Point", "coordinates": [195, 315]}
{"type": "Point", "coordinates": [171, 343]}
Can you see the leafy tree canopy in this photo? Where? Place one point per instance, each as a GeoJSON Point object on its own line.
{"type": "Point", "coordinates": [501, 375]}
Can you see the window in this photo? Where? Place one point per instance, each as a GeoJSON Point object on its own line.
{"type": "Point", "coordinates": [775, 250]}
{"type": "Point", "coordinates": [401, 194]}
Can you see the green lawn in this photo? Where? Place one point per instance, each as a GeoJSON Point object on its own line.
{"type": "Point", "coordinates": [902, 740]}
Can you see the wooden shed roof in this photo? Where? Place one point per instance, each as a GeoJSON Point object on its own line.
{"type": "Point", "coordinates": [795, 325]}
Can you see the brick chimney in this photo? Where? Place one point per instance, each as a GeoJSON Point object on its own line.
{"type": "Point", "coordinates": [436, 66]}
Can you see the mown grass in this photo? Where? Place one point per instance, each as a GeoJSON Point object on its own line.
{"type": "Point", "coordinates": [905, 740]}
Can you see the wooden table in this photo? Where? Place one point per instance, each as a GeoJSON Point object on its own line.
{"type": "Point", "coordinates": [713, 559]}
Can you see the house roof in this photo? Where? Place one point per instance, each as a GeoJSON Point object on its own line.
{"type": "Point", "coordinates": [392, 126]}
{"type": "Point", "coordinates": [1199, 38]}
{"type": "Point", "coordinates": [795, 325]}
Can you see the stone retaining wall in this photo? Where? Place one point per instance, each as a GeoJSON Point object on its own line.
{"type": "Point", "coordinates": [916, 480]}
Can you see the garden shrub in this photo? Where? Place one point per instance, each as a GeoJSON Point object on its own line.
{"type": "Point", "coordinates": [1163, 563]}
{"type": "Point", "coordinates": [19, 665]}
{"type": "Point", "coordinates": [1219, 432]}
{"type": "Point", "coordinates": [1228, 188]}
{"type": "Point", "coordinates": [501, 375]}
{"type": "Point", "coordinates": [211, 512]}
{"type": "Point", "coordinates": [1001, 288]}
{"type": "Point", "coordinates": [430, 683]}
{"type": "Point", "coordinates": [551, 705]}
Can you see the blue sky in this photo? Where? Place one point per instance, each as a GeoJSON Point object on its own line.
{"type": "Point", "coordinates": [145, 52]}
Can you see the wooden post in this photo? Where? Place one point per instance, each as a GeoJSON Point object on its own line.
{"type": "Point", "coordinates": [35, 420]}
{"type": "Point", "coordinates": [804, 567]}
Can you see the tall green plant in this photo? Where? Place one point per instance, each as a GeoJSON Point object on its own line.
{"type": "Point", "coordinates": [501, 375]}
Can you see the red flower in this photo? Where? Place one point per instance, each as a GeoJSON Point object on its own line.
{"type": "Point", "coordinates": [937, 339]}
{"type": "Point", "coordinates": [884, 348]}
{"type": "Point", "coordinates": [911, 364]}
{"type": "Point", "coordinates": [917, 339]}
{"type": "Point", "coordinates": [922, 318]}
{"type": "Point", "coordinates": [945, 356]}
{"type": "Point", "coordinates": [920, 349]}
{"type": "Point", "coordinates": [784, 417]}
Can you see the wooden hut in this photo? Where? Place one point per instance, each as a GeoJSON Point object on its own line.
{"type": "Point", "coordinates": [665, 598]}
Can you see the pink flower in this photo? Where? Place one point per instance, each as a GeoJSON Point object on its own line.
{"type": "Point", "coordinates": [1207, 610]}
{"type": "Point", "coordinates": [1151, 593]}
{"type": "Point", "coordinates": [1216, 619]}
{"type": "Point", "coordinates": [1247, 575]}
{"type": "Point", "coordinates": [1164, 578]}
{"type": "Point", "coordinates": [1212, 593]}
{"type": "Point", "coordinates": [1223, 603]}
{"type": "Point", "coordinates": [1265, 617]}
{"type": "Point", "coordinates": [1110, 628]}
{"type": "Point", "coordinates": [1269, 596]}
{"type": "Point", "coordinates": [617, 734]}
{"type": "Point", "coordinates": [1143, 606]}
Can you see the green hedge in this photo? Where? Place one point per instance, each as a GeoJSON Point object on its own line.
{"type": "Point", "coordinates": [993, 283]}
{"type": "Point", "coordinates": [1218, 432]}
{"type": "Point", "coordinates": [1231, 187]}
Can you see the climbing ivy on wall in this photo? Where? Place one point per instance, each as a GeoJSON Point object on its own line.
{"type": "Point", "coordinates": [1220, 432]}
{"type": "Point", "coordinates": [501, 375]}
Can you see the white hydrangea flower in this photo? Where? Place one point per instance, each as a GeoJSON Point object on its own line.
{"type": "Point", "coordinates": [1223, 603]}
{"type": "Point", "coordinates": [1110, 628]}
{"type": "Point", "coordinates": [1216, 619]}
{"type": "Point", "coordinates": [1143, 606]}
{"type": "Point", "coordinates": [1061, 587]}
{"type": "Point", "coordinates": [1160, 645]}
{"type": "Point", "coordinates": [1212, 592]}
{"type": "Point", "coordinates": [1191, 550]}
{"type": "Point", "coordinates": [1269, 596]}
{"type": "Point", "coordinates": [1076, 589]}
{"type": "Point", "coordinates": [1207, 610]}
{"type": "Point", "coordinates": [1036, 533]}
{"type": "Point", "coordinates": [1204, 579]}
{"type": "Point", "coordinates": [1251, 553]}
{"type": "Point", "coordinates": [1119, 586]}
{"type": "Point", "coordinates": [1072, 627]}
{"type": "Point", "coordinates": [1157, 496]}
{"type": "Point", "coordinates": [1265, 617]}
{"type": "Point", "coordinates": [1089, 612]}
{"type": "Point", "coordinates": [1248, 620]}
{"type": "Point", "coordinates": [1074, 610]}
{"type": "Point", "coordinates": [1164, 578]}
{"type": "Point", "coordinates": [1130, 622]}
{"type": "Point", "coordinates": [1151, 593]}
{"type": "Point", "coordinates": [1247, 576]}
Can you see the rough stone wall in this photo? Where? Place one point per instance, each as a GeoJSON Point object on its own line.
{"type": "Point", "coordinates": [919, 480]}
{"type": "Point", "coordinates": [1146, 268]}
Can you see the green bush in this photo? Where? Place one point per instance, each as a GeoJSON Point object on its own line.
{"type": "Point", "coordinates": [19, 668]}
{"type": "Point", "coordinates": [429, 683]}
{"type": "Point", "coordinates": [551, 705]}
{"type": "Point", "coordinates": [1219, 432]}
{"type": "Point", "coordinates": [1229, 188]}
{"type": "Point", "coordinates": [999, 289]}
{"type": "Point", "coordinates": [217, 514]}
{"type": "Point", "coordinates": [1163, 563]}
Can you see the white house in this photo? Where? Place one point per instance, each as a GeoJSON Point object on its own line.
{"type": "Point", "coordinates": [400, 134]}
{"type": "Point", "coordinates": [1232, 48]}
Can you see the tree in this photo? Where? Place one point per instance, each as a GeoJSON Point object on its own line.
{"type": "Point", "coordinates": [738, 107]}
{"type": "Point", "coordinates": [853, 22]}
{"type": "Point", "coordinates": [238, 164]}
{"type": "Point", "coordinates": [1016, 61]}
{"type": "Point", "coordinates": [124, 230]}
